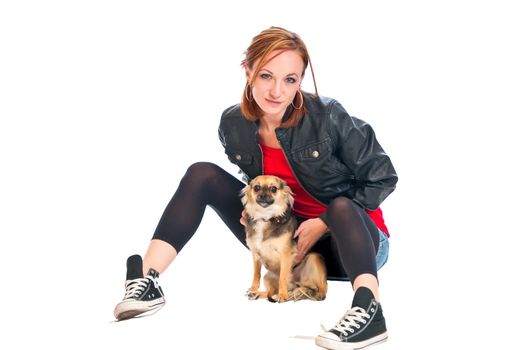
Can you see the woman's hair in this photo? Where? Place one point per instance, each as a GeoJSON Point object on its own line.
{"type": "Point", "coordinates": [272, 39]}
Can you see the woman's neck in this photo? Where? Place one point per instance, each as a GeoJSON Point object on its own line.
{"type": "Point", "coordinates": [270, 123]}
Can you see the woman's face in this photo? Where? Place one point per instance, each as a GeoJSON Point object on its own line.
{"type": "Point", "coordinates": [277, 82]}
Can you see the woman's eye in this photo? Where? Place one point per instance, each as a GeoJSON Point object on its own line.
{"type": "Point", "coordinates": [274, 189]}
{"type": "Point", "coordinates": [265, 76]}
{"type": "Point", "coordinates": [257, 188]}
{"type": "Point", "coordinates": [291, 80]}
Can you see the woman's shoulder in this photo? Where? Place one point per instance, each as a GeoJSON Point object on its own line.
{"type": "Point", "coordinates": [232, 119]}
{"type": "Point", "coordinates": [330, 110]}
{"type": "Point", "coordinates": [233, 111]}
{"type": "Point", "coordinates": [316, 104]}
{"type": "Point", "coordinates": [318, 100]}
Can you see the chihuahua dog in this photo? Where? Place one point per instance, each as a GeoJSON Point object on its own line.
{"type": "Point", "coordinates": [269, 229]}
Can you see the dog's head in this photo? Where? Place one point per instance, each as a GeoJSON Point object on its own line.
{"type": "Point", "coordinates": [267, 196]}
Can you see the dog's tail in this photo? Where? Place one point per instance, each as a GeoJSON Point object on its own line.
{"type": "Point", "coordinates": [311, 279]}
{"type": "Point", "coordinates": [302, 293]}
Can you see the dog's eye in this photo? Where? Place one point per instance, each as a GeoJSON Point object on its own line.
{"type": "Point", "coordinates": [257, 188]}
{"type": "Point", "coordinates": [274, 189]}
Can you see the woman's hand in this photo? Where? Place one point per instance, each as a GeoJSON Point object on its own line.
{"type": "Point", "coordinates": [242, 219]}
{"type": "Point", "coordinates": [308, 233]}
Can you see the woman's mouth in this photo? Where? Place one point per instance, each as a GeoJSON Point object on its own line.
{"type": "Point", "coordinates": [273, 103]}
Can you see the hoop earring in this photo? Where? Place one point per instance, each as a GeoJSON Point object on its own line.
{"type": "Point", "coordinates": [246, 96]}
{"type": "Point", "coordinates": [301, 98]}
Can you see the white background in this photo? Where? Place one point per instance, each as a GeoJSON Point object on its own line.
{"type": "Point", "coordinates": [104, 104]}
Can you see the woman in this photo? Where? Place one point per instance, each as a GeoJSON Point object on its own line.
{"type": "Point", "coordinates": [333, 163]}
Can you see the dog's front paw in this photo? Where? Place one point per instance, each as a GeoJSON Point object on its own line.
{"type": "Point", "coordinates": [252, 295]}
{"type": "Point", "coordinates": [277, 298]}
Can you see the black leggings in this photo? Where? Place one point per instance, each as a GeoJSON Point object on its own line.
{"type": "Point", "coordinates": [349, 250]}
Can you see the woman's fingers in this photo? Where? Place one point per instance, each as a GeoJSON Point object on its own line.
{"type": "Point", "coordinates": [242, 219]}
{"type": "Point", "coordinates": [297, 232]}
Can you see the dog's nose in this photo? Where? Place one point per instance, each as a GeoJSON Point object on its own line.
{"type": "Point", "coordinates": [265, 198]}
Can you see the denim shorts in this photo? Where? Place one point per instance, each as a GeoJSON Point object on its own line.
{"type": "Point", "coordinates": [335, 271]}
{"type": "Point", "coordinates": [384, 249]}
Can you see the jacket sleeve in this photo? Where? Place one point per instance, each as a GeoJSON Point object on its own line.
{"type": "Point", "coordinates": [223, 141]}
{"type": "Point", "coordinates": [221, 133]}
{"type": "Point", "coordinates": [221, 136]}
{"type": "Point", "coordinates": [373, 174]}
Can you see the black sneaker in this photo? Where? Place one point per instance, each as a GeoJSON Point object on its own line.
{"type": "Point", "coordinates": [143, 295]}
{"type": "Point", "coordinates": [360, 327]}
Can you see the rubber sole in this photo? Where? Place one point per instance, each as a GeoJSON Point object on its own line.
{"type": "Point", "coordinates": [339, 345]}
{"type": "Point", "coordinates": [127, 309]}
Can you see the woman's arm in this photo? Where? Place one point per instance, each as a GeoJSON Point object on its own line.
{"type": "Point", "coordinates": [357, 147]}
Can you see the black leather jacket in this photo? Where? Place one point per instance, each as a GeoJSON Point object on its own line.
{"type": "Point", "coordinates": [330, 153]}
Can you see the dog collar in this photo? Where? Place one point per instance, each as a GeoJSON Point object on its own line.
{"type": "Point", "coordinates": [279, 220]}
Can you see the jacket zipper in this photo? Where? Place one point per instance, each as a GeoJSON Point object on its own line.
{"type": "Point", "coordinates": [261, 158]}
{"type": "Point", "coordinates": [296, 177]}
{"type": "Point", "coordinates": [261, 150]}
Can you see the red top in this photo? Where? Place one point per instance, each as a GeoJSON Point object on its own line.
{"type": "Point", "coordinates": [305, 206]}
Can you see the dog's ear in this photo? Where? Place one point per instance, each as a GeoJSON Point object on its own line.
{"type": "Point", "coordinates": [287, 192]}
{"type": "Point", "coordinates": [243, 194]}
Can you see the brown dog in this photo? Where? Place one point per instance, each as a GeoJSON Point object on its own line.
{"type": "Point", "coordinates": [269, 233]}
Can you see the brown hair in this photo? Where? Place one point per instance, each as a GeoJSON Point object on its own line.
{"type": "Point", "coordinates": [274, 38]}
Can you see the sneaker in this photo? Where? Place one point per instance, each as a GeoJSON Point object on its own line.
{"type": "Point", "coordinates": [143, 295]}
{"type": "Point", "coordinates": [360, 327]}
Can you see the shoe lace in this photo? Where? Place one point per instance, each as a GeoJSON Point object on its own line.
{"type": "Point", "coordinates": [136, 287]}
{"type": "Point", "coordinates": [351, 320]}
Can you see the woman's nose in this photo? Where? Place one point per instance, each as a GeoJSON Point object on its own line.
{"type": "Point", "coordinates": [276, 90]}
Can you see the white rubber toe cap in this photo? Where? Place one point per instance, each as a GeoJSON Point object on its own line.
{"type": "Point", "coordinates": [330, 336]}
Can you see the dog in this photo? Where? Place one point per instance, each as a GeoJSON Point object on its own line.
{"type": "Point", "coordinates": [269, 229]}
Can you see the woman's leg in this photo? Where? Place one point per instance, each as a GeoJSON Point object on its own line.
{"type": "Point", "coordinates": [355, 240]}
{"type": "Point", "coordinates": [158, 256]}
{"type": "Point", "coordinates": [203, 184]}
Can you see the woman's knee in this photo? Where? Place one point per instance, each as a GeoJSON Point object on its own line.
{"type": "Point", "coordinates": [203, 169]}
{"type": "Point", "coordinates": [202, 173]}
{"type": "Point", "coordinates": [345, 214]}
{"type": "Point", "coordinates": [342, 206]}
